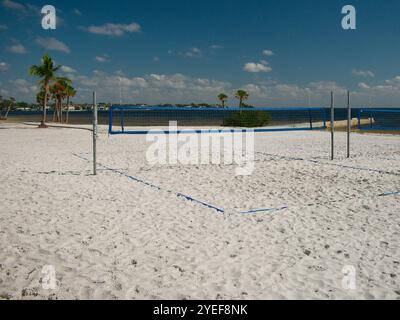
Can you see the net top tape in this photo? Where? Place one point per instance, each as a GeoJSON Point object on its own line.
{"type": "Point", "coordinates": [161, 108]}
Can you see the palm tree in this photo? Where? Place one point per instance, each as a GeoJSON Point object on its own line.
{"type": "Point", "coordinates": [40, 97]}
{"type": "Point", "coordinates": [59, 92]}
{"type": "Point", "coordinates": [46, 71]}
{"type": "Point", "coordinates": [241, 95]}
{"type": "Point", "coordinates": [11, 102]}
{"type": "Point", "coordinates": [65, 83]}
{"type": "Point", "coordinates": [53, 94]}
{"type": "Point", "coordinates": [222, 97]}
{"type": "Point", "coordinates": [70, 92]}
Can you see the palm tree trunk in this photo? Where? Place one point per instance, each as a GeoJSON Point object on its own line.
{"type": "Point", "coordinates": [8, 110]}
{"type": "Point", "coordinates": [58, 111]}
{"type": "Point", "coordinates": [61, 111]}
{"type": "Point", "coordinates": [66, 120]}
{"type": "Point", "coordinates": [43, 122]}
{"type": "Point", "coordinates": [54, 110]}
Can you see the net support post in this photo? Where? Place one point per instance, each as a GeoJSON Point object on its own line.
{"type": "Point", "coordinates": [110, 120]}
{"type": "Point", "coordinates": [94, 131]}
{"type": "Point", "coordinates": [348, 123]}
{"type": "Point", "coordinates": [332, 125]}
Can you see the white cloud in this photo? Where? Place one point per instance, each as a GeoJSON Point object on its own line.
{"type": "Point", "coordinates": [4, 66]}
{"type": "Point", "coordinates": [12, 5]}
{"type": "Point", "coordinates": [268, 53]}
{"type": "Point", "coordinates": [193, 52]}
{"type": "Point", "coordinates": [363, 85]}
{"type": "Point", "coordinates": [116, 30]}
{"type": "Point", "coordinates": [53, 44]}
{"type": "Point", "coordinates": [196, 52]}
{"type": "Point", "coordinates": [17, 48]}
{"type": "Point", "coordinates": [22, 9]}
{"type": "Point", "coordinates": [3, 27]}
{"type": "Point", "coordinates": [285, 94]}
{"type": "Point", "coordinates": [23, 86]}
{"type": "Point", "coordinates": [363, 73]}
{"type": "Point", "coordinates": [77, 12]}
{"type": "Point", "coordinates": [257, 67]}
{"type": "Point", "coordinates": [102, 58]}
{"type": "Point", "coordinates": [156, 59]}
{"type": "Point", "coordinates": [67, 69]}
{"type": "Point", "coordinates": [4, 92]}
{"type": "Point", "coordinates": [153, 88]}
{"type": "Point", "coordinates": [325, 87]}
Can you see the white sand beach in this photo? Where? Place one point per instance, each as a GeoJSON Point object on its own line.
{"type": "Point", "coordinates": [112, 237]}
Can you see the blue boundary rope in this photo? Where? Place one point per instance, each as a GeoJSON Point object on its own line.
{"type": "Point", "coordinates": [389, 194]}
{"type": "Point", "coordinates": [178, 194]}
{"type": "Point", "coordinates": [332, 164]}
{"type": "Point", "coordinates": [210, 206]}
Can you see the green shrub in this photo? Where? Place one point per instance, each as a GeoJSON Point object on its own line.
{"type": "Point", "coordinates": [248, 119]}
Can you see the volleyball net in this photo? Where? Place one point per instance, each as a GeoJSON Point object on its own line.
{"type": "Point", "coordinates": [379, 119]}
{"type": "Point", "coordinates": [154, 119]}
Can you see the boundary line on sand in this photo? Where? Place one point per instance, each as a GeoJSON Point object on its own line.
{"type": "Point", "coordinates": [57, 126]}
{"type": "Point", "coordinates": [331, 164]}
{"type": "Point", "coordinates": [213, 207]}
{"type": "Point", "coordinates": [149, 184]}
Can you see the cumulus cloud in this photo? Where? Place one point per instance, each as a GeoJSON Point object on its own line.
{"type": "Point", "coordinates": [4, 66]}
{"type": "Point", "coordinates": [17, 48]}
{"type": "Point", "coordinates": [53, 44]}
{"type": "Point", "coordinates": [116, 30]}
{"type": "Point", "coordinates": [102, 58]}
{"type": "Point", "coordinates": [193, 52]}
{"type": "Point", "coordinates": [22, 9]}
{"type": "Point", "coordinates": [67, 69]}
{"type": "Point", "coordinates": [13, 5]}
{"type": "Point", "coordinates": [268, 53]}
{"type": "Point", "coordinates": [363, 85]}
{"type": "Point", "coordinates": [76, 12]}
{"type": "Point", "coordinates": [23, 86]}
{"type": "Point", "coordinates": [363, 73]}
{"type": "Point", "coordinates": [152, 88]}
{"type": "Point", "coordinates": [257, 67]}
{"type": "Point", "coordinates": [286, 94]}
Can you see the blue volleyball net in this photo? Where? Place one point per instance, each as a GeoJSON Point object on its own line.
{"type": "Point", "coordinates": [149, 119]}
{"type": "Point", "coordinates": [379, 119]}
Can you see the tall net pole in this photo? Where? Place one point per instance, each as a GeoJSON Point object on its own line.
{"type": "Point", "coordinates": [94, 133]}
{"type": "Point", "coordinates": [348, 123]}
{"type": "Point", "coordinates": [332, 126]}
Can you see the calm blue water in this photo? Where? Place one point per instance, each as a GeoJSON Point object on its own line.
{"type": "Point", "coordinates": [188, 116]}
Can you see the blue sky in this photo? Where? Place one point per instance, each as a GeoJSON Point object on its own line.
{"type": "Point", "coordinates": [281, 52]}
